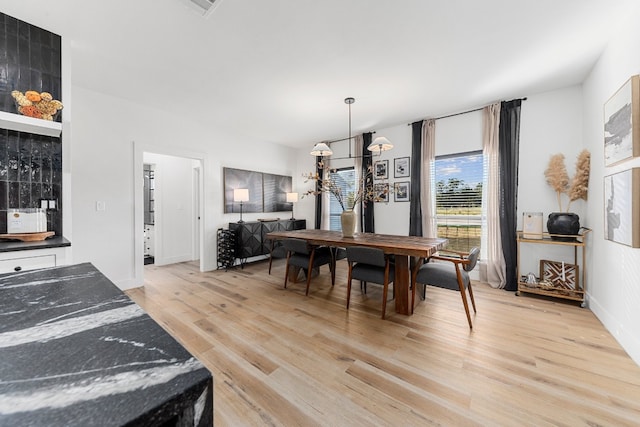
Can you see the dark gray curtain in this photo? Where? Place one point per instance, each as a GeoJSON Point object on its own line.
{"type": "Point", "coordinates": [509, 140]}
{"type": "Point", "coordinates": [415, 211]}
{"type": "Point", "coordinates": [367, 222]}
{"type": "Point", "coordinates": [320, 171]}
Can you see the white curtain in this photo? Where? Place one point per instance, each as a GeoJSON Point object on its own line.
{"type": "Point", "coordinates": [493, 257]}
{"type": "Point", "coordinates": [427, 187]}
{"type": "Point", "coordinates": [357, 164]}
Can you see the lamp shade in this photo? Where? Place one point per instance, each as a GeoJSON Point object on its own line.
{"type": "Point", "coordinates": [292, 197]}
{"type": "Point", "coordinates": [241, 195]}
{"type": "Point", "coordinates": [321, 149]}
{"type": "Point", "coordinates": [379, 145]}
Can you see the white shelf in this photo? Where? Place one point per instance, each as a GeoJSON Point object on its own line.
{"type": "Point", "coordinates": [29, 124]}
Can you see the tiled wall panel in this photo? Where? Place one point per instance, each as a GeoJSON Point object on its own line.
{"type": "Point", "coordinates": [30, 165]}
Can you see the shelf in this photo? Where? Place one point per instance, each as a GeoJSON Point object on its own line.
{"type": "Point", "coordinates": [575, 295]}
{"type": "Point", "coordinates": [21, 123]}
{"type": "Point", "coordinates": [561, 239]}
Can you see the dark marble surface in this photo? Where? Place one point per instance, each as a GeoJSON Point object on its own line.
{"type": "Point", "coordinates": [51, 242]}
{"type": "Point", "coordinates": [75, 350]}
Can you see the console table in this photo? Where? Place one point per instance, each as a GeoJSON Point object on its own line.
{"type": "Point", "coordinates": [251, 237]}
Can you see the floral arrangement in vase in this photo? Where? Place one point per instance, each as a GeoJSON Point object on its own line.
{"type": "Point", "coordinates": [563, 222]}
{"type": "Point", "coordinates": [362, 191]}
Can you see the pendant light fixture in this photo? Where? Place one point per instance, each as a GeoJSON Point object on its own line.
{"type": "Point", "coordinates": [378, 145]}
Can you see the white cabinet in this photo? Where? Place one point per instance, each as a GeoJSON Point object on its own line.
{"type": "Point", "coordinates": [31, 259]}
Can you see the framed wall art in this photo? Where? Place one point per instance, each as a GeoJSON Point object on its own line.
{"type": "Point", "coordinates": [401, 167]}
{"type": "Point", "coordinates": [381, 192]}
{"type": "Point", "coordinates": [381, 169]}
{"type": "Point", "coordinates": [622, 123]}
{"type": "Point", "coordinates": [267, 192]}
{"type": "Point", "coordinates": [622, 207]}
{"type": "Point", "coordinates": [402, 191]}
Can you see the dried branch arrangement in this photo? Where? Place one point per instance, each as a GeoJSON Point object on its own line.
{"type": "Point", "coordinates": [558, 178]}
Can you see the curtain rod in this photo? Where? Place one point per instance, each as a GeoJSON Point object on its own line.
{"type": "Point", "coordinates": [462, 112]}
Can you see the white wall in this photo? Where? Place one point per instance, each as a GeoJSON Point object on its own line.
{"type": "Point", "coordinates": [102, 167]}
{"type": "Point", "coordinates": [551, 124]}
{"type": "Point", "coordinates": [614, 269]}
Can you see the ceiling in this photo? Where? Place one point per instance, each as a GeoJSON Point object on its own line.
{"type": "Point", "coordinates": [279, 70]}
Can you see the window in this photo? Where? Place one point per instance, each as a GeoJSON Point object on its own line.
{"type": "Point", "coordinates": [458, 190]}
{"type": "Point", "coordinates": [346, 179]}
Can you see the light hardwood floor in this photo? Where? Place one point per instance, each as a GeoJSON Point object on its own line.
{"type": "Point", "coordinates": [282, 359]}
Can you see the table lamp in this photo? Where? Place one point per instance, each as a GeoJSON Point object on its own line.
{"type": "Point", "coordinates": [292, 198]}
{"type": "Point", "coordinates": [241, 195]}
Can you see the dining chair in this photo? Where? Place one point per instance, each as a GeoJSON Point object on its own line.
{"type": "Point", "coordinates": [450, 270]}
{"type": "Point", "coordinates": [307, 257]}
{"type": "Point", "coordinates": [369, 265]}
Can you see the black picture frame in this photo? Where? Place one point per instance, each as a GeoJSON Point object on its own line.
{"type": "Point", "coordinates": [402, 191]}
{"type": "Point", "coordinates": [381, 169]}
{"type": "Point", "coordinates": [401, 167]}
{"type": "Point", "coordinates": [381, 192]}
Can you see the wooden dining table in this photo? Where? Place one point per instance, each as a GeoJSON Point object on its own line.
{"type": "Point", "coordinates": [402, 247]}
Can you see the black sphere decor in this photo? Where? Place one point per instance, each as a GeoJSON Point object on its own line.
{"type": "Point", "coordinates": [563, 223]}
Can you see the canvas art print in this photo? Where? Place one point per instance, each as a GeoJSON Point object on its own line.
{"type": "Point", "coordinates": [622, 123]}
{"type": "Point", "coordinates": [622, 207]}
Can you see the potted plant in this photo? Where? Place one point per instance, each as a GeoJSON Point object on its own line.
{"type": "Point", "coordinates": [564, 222]}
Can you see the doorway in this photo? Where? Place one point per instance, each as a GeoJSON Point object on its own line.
{"type": "Point", "coordinates": [177, 207]}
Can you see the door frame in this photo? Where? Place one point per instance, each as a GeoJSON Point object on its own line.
{"type": "Point", "coordinates": [138, 202]}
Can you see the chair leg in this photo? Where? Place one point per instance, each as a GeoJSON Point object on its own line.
{"type": "Point", "coordinates": [332, 266]}
{"type": "Point", "coordinates": [463, 294]}
{"type": "Point", "coordinates": [270, 256]}
{"type": "Point", "coordinates": [385, 289]}
{"type": "Point", "coordinates": [473, 301]}
{"type": "Point", "coordinates": [309, 272]}
{"type": "Point", "coordinates": [286, 271]}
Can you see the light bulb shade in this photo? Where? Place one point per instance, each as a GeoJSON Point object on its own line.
{"type": "Point", "coordinates": [241, 195]}
{"type": "Point", "coordinates": [379, 145]}
{"type": "Point", "coordinates": [292, 197]}
{"type": "Point", "coordinates": [321, 149]}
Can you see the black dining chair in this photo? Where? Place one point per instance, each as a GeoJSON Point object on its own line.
{"type": "Point", "coordinates": [450, 270]}
{"type": "Point", "coordinates": [307, 257]}
{"type": "Point", "coordinates": [369, 265]}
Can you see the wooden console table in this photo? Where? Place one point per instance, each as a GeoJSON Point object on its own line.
{"type": "Point", "coordinates": [402, 247]}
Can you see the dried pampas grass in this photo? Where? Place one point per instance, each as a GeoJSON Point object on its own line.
{"type": "Point", "coordinates": [557, 177]}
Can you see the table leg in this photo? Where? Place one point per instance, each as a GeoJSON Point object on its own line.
{"type": "Point", "coordinates": [401, 284]}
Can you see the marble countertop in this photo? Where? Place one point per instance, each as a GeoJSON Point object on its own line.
{"type": "Point", "coordinates": [51, 242]}
{"type": "Point", "coordinates": [75, 350]}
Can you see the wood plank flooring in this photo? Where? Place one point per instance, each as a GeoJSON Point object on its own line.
{"type": "Point", "coordinates": [282, 359]}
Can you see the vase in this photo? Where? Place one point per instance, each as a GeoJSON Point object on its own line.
{"type": "Point", "coordinates": [563, 223]}
{"type": "Point", "coordinates": [348, 221]}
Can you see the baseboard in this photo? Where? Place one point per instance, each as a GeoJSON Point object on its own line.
{"type": "Point", "coordinates": [625, 338]}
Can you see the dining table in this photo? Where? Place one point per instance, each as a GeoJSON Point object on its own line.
{"type": "Point", "coordinates": [409, 252]}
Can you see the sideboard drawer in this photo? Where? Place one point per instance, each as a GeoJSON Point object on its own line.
{"type": "Point", "coordinates": [27, 263]}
